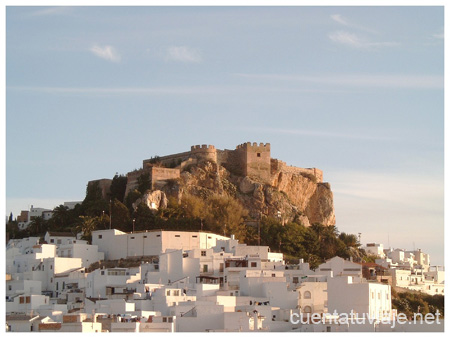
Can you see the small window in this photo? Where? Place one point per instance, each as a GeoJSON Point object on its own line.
{"type": "Point", "coordinates": [132, 237]}
{"type": "Point", "coordinates": [168, 293]}
{"type": "Point", "coordinates": [194, 236]}
{"type": "Point", "coordinates": [158, 235]}
{"type": "Point", "coordinates": [53, 241]}
{"type": "Point", "coordinates": [205, 268]}
{"type": "Point", "coordinates": [253, 265]}
{"type": "Point", "coordinates": [273, 275]}
{"type": "Point", "coordinates": [209, 237]}
{"type": "Point", "coordinates": [295, 280]}
{"type": "Point", "coordinates": [203, 253]}
{"type": "Point", "coordinates": [100, 236]}
{"type": "Point", "coordinates": [102, 273]}
{"type": "Point", "coordinates": [164, 319]}
{"type": "Point", "coordinates": [177, 235]}
{"type": "Point", "coordinates": [258, 154]}
{"type": "Point", "coordinates": [145, 236]}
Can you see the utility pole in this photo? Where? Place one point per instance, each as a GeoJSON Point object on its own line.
{"type": "Point", "coordinates": [110, 214]}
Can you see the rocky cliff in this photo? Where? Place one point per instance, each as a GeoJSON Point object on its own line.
{"type": "Point", "coordinates": [290, 196]}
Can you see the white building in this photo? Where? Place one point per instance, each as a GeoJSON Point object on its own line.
{"type": "Point", "coordinates": [351, 294]}
{"type": "Point", "coordinates": [117, 244]}
{"type": "Point", "coordinates": [374, 249]}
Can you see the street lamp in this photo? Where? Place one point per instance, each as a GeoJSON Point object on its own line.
{"type": "Point", "coordinates": [110, 214]}
{"type": "Point", "coordinates": [134, 220]}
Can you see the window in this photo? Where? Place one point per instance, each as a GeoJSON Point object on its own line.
{"type": "Point", "coordinates": [307, 309]}
{"type": "Point", "coordinates": [176, 292]}
{"type": "Point", "coordinates": [203, 253]}
{"type": "Point", "coordinates": [9, 287]}
{"type": "Point", "coordinates": [21, 300]}
{"type": "Point", "coordinates": [145, 236]}
{"type": "Point", "coordinates": [164, 319]}
{"type": "Point", "coordinates": [194, 236]}
{"type": "Point", "coordinates": [295, 280]}
{"type": "Point", "coordinates": [28, 300]}
{"type": "Point", "coordinates": [258, 154]}
{"type": "Point", "coordinates": [205, 268]}
{"type": "Point", "coordinates": [253, 264]}
{"type": "Point", "coordinates": [53, 241]}
{"type": "Point", "coordinates": [170, 319]}
{"type": "Point", "coordinates": [177, 235]}
{"type": "Point", "coordinates": [158, 235]}
{"type": "Point", "coordinates": [273, 275]}
{"type": "Point", "coordinates": [307, 295]}
{"type": "Point", "coordinates": [168, 293]}
{"type": "Point", "coordinates": [102, 273]}
{"type": "Point", "coordinates": [132, 237]}
{"type": "Point", "coordinates": [100, 236]}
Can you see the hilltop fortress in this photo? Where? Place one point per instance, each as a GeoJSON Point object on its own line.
{"type": "Point", "coordinates": [251, 160]}
{"type": "Point", "coordinates": [265, 186]}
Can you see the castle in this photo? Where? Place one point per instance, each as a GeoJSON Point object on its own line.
{"type": "Point", "coordinates": [248, 159]}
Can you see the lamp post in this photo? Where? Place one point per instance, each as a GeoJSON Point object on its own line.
{"type": "Point", "coordinates": [134, 220]}
{"type": "Point", "coordinates": [110, 214]}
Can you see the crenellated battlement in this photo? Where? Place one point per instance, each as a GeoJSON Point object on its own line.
{"type": "Point", "coordinates": [250, 159]}
{"type": "Point", "coordinates": [203, 147]}
{"type": "Point", "coordinates": [249, 145]}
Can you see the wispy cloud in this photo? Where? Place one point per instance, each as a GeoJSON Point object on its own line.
{"type": "Point", "coordinates": [169, 90]}
{"type": "Point", "coordinates": [417, 191]}
{"type": "Point", "coordinates": [315, 133]}
{"type": "Point", "coordinates": [355, 41]}
{"type": "Point", "coordinates": [345, 22]}
{"type": "Point", "coordinates": [183, 54]}
{"type": "Point", "coordinates": [51, 11]}
{"type": "Point", "coordinates": [439, 35]}
{"type": "Point", "coordinates": [360, 80]}
{"type": "Point", "coordinates": [106, 52]}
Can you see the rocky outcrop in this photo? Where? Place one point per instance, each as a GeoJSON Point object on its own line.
{"type": "Point", "coordinates": [153, 199]}
{"type": "Point", "coordinates": [291, 196]}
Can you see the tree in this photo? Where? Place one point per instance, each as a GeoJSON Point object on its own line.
{"type": "Point", "coordinates": [94, 204]}
{"type": "Point", "coordinates": [226, 216]}
{"type": "Point", "coordinates": [118, 187]}
{"type": "Point", "coordinates": [37, 226]}
{"type": "Point", "coordinates": [120, 215]}
{"type": "Point", "coordinates": [350, 240]}
{"type": "Point", "coordinates": [144, 183]}
{"type": "Point", "coordinates": [87, 226]}
{"type": "Point", "coordinates": [144, 218]}
{"type": "Point", "coordinates": [61, 216]}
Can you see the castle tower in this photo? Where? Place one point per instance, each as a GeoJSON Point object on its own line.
{"type": "Point", "coordinates": [255, 160]}
{"type": "Point", "coordinates": [204, 152]}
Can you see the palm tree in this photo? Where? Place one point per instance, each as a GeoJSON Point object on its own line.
{"type": "Point", "coordinates": [61, 216]}
{"type": "Point", "coordinates": [87, 225]}
{"type": "Point", "coordinates": [37, 226]}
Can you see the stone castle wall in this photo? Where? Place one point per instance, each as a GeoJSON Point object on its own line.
{"type": "Point", "coordinates": [159, 176]}
{"type": "Point", "coordinates": [280, 166]}
{"type": "Point", "coordinates": [248, 159]}
{"type": "Point", "coordinates": [256, 160]}
{"type": "Point", "coordinates": [105, 186]}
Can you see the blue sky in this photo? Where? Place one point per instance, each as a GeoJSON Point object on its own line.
{"type": "Point", "coordinates": [355, 91]}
